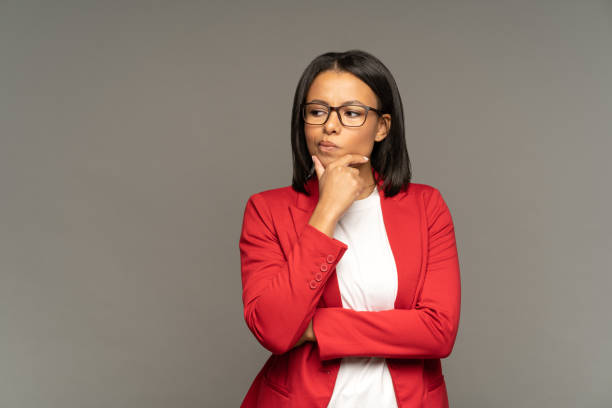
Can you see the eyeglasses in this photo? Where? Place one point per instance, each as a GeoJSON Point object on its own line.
{"type": "Point", "coordinates": [349, 115]}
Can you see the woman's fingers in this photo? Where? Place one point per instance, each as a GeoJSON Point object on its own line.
{"type": "Point", "coordinates": [348, 159]}
{"type": "Point", "coordinates": [319, 169]}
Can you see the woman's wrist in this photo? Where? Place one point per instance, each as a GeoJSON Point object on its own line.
{"type": "Point", "coordinates": [311, 334]}
{"type": "Point", "coordinates": [323, 221]}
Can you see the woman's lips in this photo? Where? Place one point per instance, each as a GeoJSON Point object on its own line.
{"type": "Point", "coordinates": [327, 147]}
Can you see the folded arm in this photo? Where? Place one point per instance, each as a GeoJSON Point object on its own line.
{"type": "Point", "coordinates": [280, 293]}
{"type": "Point", "coordinates": [427, 331]}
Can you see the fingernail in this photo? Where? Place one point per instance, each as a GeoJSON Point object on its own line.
{"type": "Point", "coordinates": [366, 157]}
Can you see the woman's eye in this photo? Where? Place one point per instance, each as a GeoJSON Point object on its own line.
{"type": "Point", "coordinates": [314, 112]}
{"type": "Point", "coordinates": [352, 114]}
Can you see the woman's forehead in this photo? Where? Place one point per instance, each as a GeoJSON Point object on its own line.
{"type": "Point", "coordinates": [337, 88]}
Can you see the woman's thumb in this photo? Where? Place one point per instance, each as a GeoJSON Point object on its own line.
{"type": "Point", "coordinates": [319, 169]}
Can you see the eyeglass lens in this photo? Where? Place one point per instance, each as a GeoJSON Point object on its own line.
{"type": "Point", "coordinates": [350, 115]}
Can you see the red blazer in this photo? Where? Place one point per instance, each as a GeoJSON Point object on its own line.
{"type": "Point", "coordinates": [288, 278]}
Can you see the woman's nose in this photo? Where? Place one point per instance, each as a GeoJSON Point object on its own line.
{"type": "Point", "coordinates": [333, 122]}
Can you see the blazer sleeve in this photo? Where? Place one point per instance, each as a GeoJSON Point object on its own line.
{"type": "Point", "coordinates": [427, 331]}
{"type": "Point", "coordinates": [280, 292]}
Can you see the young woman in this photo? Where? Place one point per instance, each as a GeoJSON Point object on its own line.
{"type": "Point", "coordinates": [350, 275]}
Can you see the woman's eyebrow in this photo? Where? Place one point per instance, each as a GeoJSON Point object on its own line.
{"type": "Point", "coordinates": [343, 103]}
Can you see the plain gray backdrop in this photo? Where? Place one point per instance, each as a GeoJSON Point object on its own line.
{"type": "Point", "coordinates": [132, 134]}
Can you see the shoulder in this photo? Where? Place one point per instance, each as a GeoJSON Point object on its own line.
{"type": "Point", "coordinates": [420, 192]}
{"type": "Point", "coordinates": [436, 210]}
{"type": "Point", "coordinates": [273, 198]}
{"type": "Point", "coordinates": [425, 196]}
{"type": "Point", "coordinates": [280, 194]}
{"type": "Point", "coordinates": [420, 188]}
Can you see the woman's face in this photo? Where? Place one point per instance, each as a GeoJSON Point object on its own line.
{"type": "Point", "coordinates": [337, 88]}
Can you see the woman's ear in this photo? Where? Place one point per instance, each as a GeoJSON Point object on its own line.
{"type": "Point", "coordinates": [384, 125]}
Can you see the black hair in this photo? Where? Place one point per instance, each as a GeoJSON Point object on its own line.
{"type": "Point", "coordinates": [389, 156]}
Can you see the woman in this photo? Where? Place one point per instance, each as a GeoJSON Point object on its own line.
{"type": "Point", "coordinates": [350, 276]}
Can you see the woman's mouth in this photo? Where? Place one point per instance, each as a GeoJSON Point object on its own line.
{"type": "Point", "coordinates": [327, 146]}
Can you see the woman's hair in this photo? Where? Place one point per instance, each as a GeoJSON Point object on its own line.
{"type": "Point", "coordinates": [389, 156]}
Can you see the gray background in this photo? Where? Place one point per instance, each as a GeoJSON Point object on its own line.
{"type": "Point", "coordinates": [132, 134]}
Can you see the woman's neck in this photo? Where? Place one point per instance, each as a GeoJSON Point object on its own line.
{"type": "Point", "coordinates": [367, 178]}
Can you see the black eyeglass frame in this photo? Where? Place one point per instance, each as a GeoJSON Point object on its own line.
{"type": "Point", "coordinates": [336, 108]}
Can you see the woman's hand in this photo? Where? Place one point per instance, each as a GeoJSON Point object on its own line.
{"type": "Point", "coordinates": [308, 335]}
{"type": "Point", "coordinates": [339, 182]}
{"type": "Point", "coordinates": [339, 187]}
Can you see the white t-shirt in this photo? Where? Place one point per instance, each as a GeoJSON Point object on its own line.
{"type": "Point", "coordinates": [367, 277]}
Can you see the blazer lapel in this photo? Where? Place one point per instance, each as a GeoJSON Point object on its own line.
{"type": "Point", "coordinates": [402, 221]}
{"type": "Point", "coordinates": [404, 232]}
